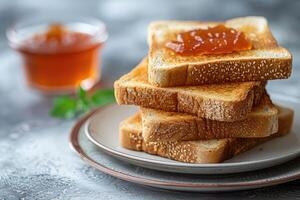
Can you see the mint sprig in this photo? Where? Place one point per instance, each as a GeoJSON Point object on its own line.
{"type": "Point", "coordinates": [66, 107]}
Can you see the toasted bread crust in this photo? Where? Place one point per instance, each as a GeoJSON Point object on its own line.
{"type": "Point", "coordinates": [208, 151]}
{"type": "Point", "coordinates": [168, 126]}
{"type": "Point", "coordinates": [133, 88]}
{"type": "Point", "coordinates": [285, 120]}
{"type": "Point", "coordinates": [266, 61]}
{"type": "Point", "coordinates": [261, 69]}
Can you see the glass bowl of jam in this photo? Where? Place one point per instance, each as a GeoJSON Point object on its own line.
{"type": "Point", "coordinates": [59, 54]}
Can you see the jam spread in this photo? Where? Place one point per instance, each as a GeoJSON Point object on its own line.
{"type": "Point", "coordinates": [214, 40]}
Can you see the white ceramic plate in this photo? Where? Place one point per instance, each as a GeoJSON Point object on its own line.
{"type": "Point", "coordinates": [102, 161]}
{"type": "Point", "coordinates": [102, 129]}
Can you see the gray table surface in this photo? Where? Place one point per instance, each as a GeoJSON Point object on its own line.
{"type": "Point", "coordinates": [36, 161]}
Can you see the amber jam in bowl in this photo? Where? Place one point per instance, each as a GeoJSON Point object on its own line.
{"type": "Point", "coordinates": [59, 53]}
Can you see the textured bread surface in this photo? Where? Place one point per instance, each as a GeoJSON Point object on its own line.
{"type": "Point", "coordinates": [159, 125]}
{"type": "Point", "coordinates": [265, 61]}
{"type": "Point", "coordinates": [201, 151]}
{"type": "Point", "coordinates": [225, 102]}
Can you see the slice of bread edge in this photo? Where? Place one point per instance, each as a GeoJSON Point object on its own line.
{"type": "Point", "coordinates": [271, 62]}
{"type": "Point", "coordinates": [161, 126]}
{"type": "Point", "coordinates": [205, 151]}
{"type": "Point", "coordinates": [177, 99]}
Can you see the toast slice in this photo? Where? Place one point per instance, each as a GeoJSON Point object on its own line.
{"type": "Point", "coordinates": [161, 126]}
{"type": "Point", "coordinates": [226, 102]}
{"type": "Point", "coordinates": [201, 151]}
{"type": "Point", "coordinates": [265, 61]}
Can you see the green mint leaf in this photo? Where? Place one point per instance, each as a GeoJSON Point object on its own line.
{"type": "Point", "coordinates": [68, 107]}
{"type": "Point", "coordinates": [81, 93]}
{"type": "Point", "coordinates": [64, 107]}
{"type": "Point", "coordinates": [83, 103]}
{"type": "Point", "coordinates": [103, 97]}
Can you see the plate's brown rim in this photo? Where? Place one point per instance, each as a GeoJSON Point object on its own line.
{"type": "Point", "coordinates": [73, 139]}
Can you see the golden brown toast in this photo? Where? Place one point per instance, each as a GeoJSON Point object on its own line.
{"type": "Point", "coordinates": [161, 126]}
{"type": "Point", "coordinates": [265, 61]}
{"type": "Point", "coordinates": [201, 151]}
{"type": "Point", "coordinates": [226, 102]}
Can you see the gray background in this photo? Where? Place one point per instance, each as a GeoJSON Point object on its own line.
{"type": "Point", "coordinates": [35, 159]}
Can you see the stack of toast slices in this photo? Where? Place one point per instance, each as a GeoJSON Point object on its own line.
{"type": "Point", "coordinates": [204, 108]}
